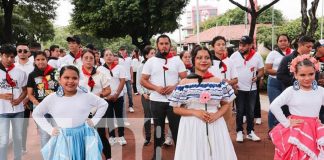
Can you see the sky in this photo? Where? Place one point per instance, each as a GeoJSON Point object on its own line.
{"type": "Point", "coordinates": [289, 8]}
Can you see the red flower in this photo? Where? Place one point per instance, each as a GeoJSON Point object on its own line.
{"type": "Point", "coordinates": [91, 83]}
{"type": "Point", "coordinates": [252, 69]}
{"type": "Point", "coordinates": [165, 68]}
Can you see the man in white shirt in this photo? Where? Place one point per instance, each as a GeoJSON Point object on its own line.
{"type": "Point", "coordinates": [25, 64]}
{"type": "Point", "coordinates": [13, 83]}
{"type": "Point", "coordinates": [248, 62]}
{"type": "Point", "coordinates": [161, 74]}
{"type": "Point", "coordinates": [73, 57]}
{"type": "Point", "coordinates": [126, 61]}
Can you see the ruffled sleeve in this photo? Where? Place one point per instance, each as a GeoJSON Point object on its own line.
{"type": "Point", "coordinates": [178, 96]}
{"type": "Point", "coordinates": [228, 92]}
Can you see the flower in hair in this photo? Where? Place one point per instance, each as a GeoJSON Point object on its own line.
{"type": "Point", "coordinates": [301, 58]}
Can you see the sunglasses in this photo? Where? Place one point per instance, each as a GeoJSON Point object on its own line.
{"type": "Point", "coordinates": [23, 51]}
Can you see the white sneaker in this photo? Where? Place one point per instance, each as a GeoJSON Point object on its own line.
{"type": "Point", "coordinates": [252, 136]}
{"type": "Point", "coordinates": [152, 122]}
{"type": "Point", "coordinates": [131, 110]}
{"type": "Point", "coordinates": [166, 120]}
{"type": "Point", "coordinates": [112, 140]}
{"type": "Point", "coordinates": [244, 119]}
{"type": "Point", "coordinates": [24, 152]}
{"type": "Point", "coordinates": [258, 121]}
{"type": "Point", "coordinates": [168, 141]}
{"type": "Point", "coordinates": [122, 141]}
{"type": "Point", "coordinates": [126, 123]}
{"type": "Point", "coordinates": [239, 136]}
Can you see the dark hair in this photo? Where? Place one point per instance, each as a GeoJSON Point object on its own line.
{"type": "Point", "coordinates": [146, 51]}
{"type": "Point", "coordinates": [21, 44]}
{"type": "Point", "coordinates": [35, 45]}
{"type": "Point", "coordinates": [195, 51]}
{"type": "Point", "coordinates": [305, 62]}
{"type": "Point", "coordinates": [8, 49]}
{"type": "Point", "coordinates": [61, 50]}
{"type": "Point", "coordinates": [136, 55]}
{"type": "Point", "coordinates": [216, 39]}
{"type": "Point", "coordinates": [284, 35]}
{"type": "Point", "coordinates": [52, 47]}
{"type": "Point", "coordinates": [70, 67]}
{"type": "Point", "coordinates": [306, 39]}
{"type": "Point", "coordinates": [163, 36]}
{"type": "Point", "coordinates": [36, 53]}
{"type": "Point", "coordinates": [89, 51]}
{"type": "Point", "coordinates": [182, 53]}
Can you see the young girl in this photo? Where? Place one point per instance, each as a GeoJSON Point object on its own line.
{"type": "Point", "coordinates": [97, 83]}
{"type": "Point", "coordinates": [202, 133]}
{"type": "Point", "coordinates": [70, 107]}
{"type": "Point", "coordinates": [301, 135]}
{"type": "Point", "coordinates": [116, 73]}
{"type": "Point", "coordinates": [41, 82]}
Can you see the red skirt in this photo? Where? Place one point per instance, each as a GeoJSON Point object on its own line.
{"type": "Point", "coordinates": [304, 141]}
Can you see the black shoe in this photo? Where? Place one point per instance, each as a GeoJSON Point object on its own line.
{"type": "Point", "coordinates": [147, 142]}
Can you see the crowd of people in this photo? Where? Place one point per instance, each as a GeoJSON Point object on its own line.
{"type": "Point", "coordinates": [75, 97]}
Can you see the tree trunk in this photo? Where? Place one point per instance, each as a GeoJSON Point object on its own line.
{"type": "Point", "coordinates": [305, 21]}
{"type": "Point", "coordinates": [313, 20]}
{"type": "Point", "coordinates": [7, 29]}
{"type": "Point", "coordinates": [141, 45]}
{"type": "Point", "coordinates": [253, 24]}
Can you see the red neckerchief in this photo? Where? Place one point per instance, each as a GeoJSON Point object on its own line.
{"type": "Point", "coordinates": [166, 57]}
{"type": "Point", "coordinates": [8, 77]}
{"type": "Point", "coordinates": [288, 51]}
{"type": "Point", "coordinates": [47, 70]}
{"type": "Point", "coordinates": [113, 65]}
{"type": "Point", "coordinates": [249, 56]}
{"type": "Point", "coordinates": [221, 63]}
{"type": "Point", "coordinates": [207, 75]}
{"type": "Point", "coordinates": [188, 66]}
{"type": "Point", "coordinates": [91, 82]}
{"type": "Point", "coordinates": [78, 55]}
{"type": "Point", "coordinates": [321, 59]}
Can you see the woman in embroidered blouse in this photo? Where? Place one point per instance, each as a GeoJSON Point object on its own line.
{"type": "Point", "coordinates": [193, 142]}
{"type": "Point", "coordinates": [97, 83]}
{"type": "Point", "coordinates": [301, 135]}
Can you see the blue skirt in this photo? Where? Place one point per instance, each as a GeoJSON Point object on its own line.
{"type": "Point", "coordinates": [79, 143]}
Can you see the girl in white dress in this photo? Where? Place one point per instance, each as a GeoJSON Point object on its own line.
{"type": "Point", "coordinates": [202, 134]}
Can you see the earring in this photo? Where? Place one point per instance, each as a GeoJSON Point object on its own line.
{"type": "Point", "coordinates": [296, 85]}
{"type": "Point", "coordinates": [60, 91]}
{"type": "Point", "coordinates": [314, 85]}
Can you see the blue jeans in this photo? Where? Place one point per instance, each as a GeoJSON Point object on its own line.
{"type": "Point", "coordinates": [129, 93]}
{"type": "Point", "coordinates": [245, 101]}
{"type": "Point", "coordinates": [274, 89]}
{"type": "Point", "coordinates": [17, 120]}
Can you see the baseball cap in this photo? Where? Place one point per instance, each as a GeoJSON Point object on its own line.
{"type": "Point", "coordinates": [246, 40]}
{"type": "Point", "coordinates": [74, 38]}
{"type": "Point", "coordinates": [319, 43]}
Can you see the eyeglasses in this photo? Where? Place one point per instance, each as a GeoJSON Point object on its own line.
{"type": "Point", "coordinates": [23, 51]}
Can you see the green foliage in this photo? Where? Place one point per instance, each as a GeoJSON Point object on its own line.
{"type": "Point", "coordinates": [140, 19]}
{"type": "Point", "coordinates": [31, 20]}
{"type": "Point", "coordinates": [236, 16]}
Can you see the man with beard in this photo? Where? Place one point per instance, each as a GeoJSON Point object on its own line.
{"type": "Point", "coordinates": [161, 74]}
{"type": "Point", "coordinates": [248, 62]}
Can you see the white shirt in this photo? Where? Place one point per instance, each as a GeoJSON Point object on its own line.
{"type": "Point", "coordinates": [300, 103]}
{"type": "Point", "coordinates": [247, 71]}
{"type": "Point", "coordinates": [69, 60]}
{"type": "Point", "coordinates": [274, 58]}
{"type": "Point", "coordinates": [100, 79]}
{"type": "Point", "coordinates": [69, 112]}
{"type": "Point", "coordinates": [231, 72]}
{"type": "Point", "coordinates": [20, 78]}
{"type": "Point", "coordinates": [154, 68]}
{"type": "Point", "coordinates": [118, 72]}
{"type": "Point", "coordinates": [135, 64]}
{"type": "Point", "coordinates": [27, 67]}
{"type": "Point", "coordinates": [53, 63]}
{"type": "Point", "coordinates": [127, 64]}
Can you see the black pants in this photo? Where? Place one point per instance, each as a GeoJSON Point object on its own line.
{"type": "Point", "coordinates": [147, 116]}
{"type": "Point", "coordinates": [101, 128]}
{"type": "Point", "coordinates": [134, 82]}
{"type": "Point", "coordinates": [257, 109]}
{"type": "Point", "coordinates": [159, 112]}
{"type": "Point", "coordinates": [117, 109]}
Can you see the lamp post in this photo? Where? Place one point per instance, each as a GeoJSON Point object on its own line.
{"type": "Point", "coordinates": [197, 21]}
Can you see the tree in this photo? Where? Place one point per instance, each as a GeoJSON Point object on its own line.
{"type": "Point", "coordinates": [140, 19]}
{"type": "Point", "coordinates": [313, 25]}
{"type": "Point", "coordinates": [253, 12]}
{"type": "Point", "coordinates": [37, 12]}
{"type": "Point", "coordinates": [236, 16]}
